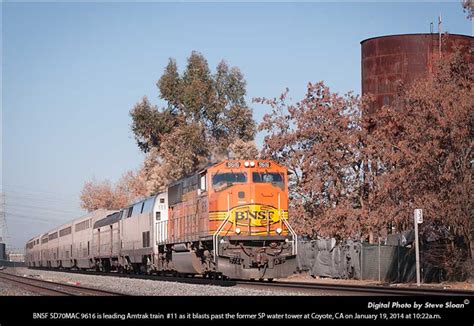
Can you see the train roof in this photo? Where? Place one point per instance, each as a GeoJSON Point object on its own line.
{"type": "Point", "coordinates": [110, 219]}
{"type": "Point", "coordinates": [192, 175]}
{"type": "Point", "coordinates": [74, 221]}
{"type": "Point", "coordinates": [210, 165]}
{"type": "Point", "coordinates": [144, 199]}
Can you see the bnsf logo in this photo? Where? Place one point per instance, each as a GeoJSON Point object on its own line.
{"type": "Point", "coordinates": [257, 215]}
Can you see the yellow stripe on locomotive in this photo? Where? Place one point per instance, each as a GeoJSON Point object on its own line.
{"type": "Point", "coordinates": [253, 219]}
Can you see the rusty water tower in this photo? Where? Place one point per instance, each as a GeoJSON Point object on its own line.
{"type": "Point", "coordinates": [387, 60]}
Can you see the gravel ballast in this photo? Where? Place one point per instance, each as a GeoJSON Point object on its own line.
{"type": "Point", "coordinates": [8, 289]}
{"type": "Point", "coordinates": [144, 287]}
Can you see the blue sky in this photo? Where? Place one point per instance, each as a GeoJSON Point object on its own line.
{"type": "Point", "coordinates": [72, 71]}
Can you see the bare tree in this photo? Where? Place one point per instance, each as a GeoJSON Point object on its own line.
{"type": "Point", "coordinates": [318, 139]}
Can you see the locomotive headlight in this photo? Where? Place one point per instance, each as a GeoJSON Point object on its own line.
{"type": "Point", "coordinates": [246, 164]}
{"type": "Point", "coordinates": [279, 230]}
{"type": "Point", "coordinates": [237, 230]}
{"type": "Point", "coordinates": [252, 164]}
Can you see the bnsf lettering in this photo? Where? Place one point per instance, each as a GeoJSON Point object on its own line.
{"type": "Point", "coordinates": [259, 215]}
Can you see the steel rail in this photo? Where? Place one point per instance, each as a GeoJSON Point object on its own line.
{"type": "Point", "coordinates": [367, 289]}
{"type": "Point", "coordinates": [361, 289]}
{"type": "Point", "coordinates": [55, 287]}
{"type": "Point", "coordinates": [35, 288]}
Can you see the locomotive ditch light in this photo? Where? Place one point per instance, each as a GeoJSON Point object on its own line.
{"type": "Point", "coordinates": [252, 164]}
{"type": "Point", "coordinates": [237, 230]}
{"type": "Point", "coordinates": [279, 230]}
{"type": "Point", "coordinates": [246, 164]}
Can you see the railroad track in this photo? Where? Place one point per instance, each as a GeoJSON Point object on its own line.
{"type": "Point", "coordinates": [357, 289]}
{"type": "Point", "coordinates": [53, 288]}
{"type": "Point", "coordinates": [310, 288]}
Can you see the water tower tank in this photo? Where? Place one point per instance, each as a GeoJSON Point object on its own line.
{"type": "Point", "coordinates": [386, 60]}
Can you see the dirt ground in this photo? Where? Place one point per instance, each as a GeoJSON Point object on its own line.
{"type": "Point", "coordinates": [305, 277]}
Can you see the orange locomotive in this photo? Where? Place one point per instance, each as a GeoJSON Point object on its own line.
{"type": "Point", "coordinates": [227, 220]}
{"type": "Point", "coordinates": [230, 219]}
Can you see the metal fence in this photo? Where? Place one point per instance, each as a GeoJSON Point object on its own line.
{"type": "Point", "coordinates": [7, 263]}
{"type": "Point", "coordinates": [356, 260]}
{"type": "Point", "coordinates": [387, 263]}
{"type": "Point", "coordinates": [326, 258]}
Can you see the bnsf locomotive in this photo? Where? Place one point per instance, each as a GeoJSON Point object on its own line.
{"type": "Point", "coordinates": [227, 220]}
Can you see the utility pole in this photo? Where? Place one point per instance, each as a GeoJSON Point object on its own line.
{"type": "Point", "coordinates": [418, 219]}
{"type": "Point", "coordinates": [439, 35]}
{"type": "Point", "coordinates": [379, 258]}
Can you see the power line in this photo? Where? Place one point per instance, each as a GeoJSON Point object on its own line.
{"type": "Point", "coordinates": [32, 190]}
{"type": "Point", "coordinates": [41, 196]}
{"type": "Point", "coordinates": [34, 218]}
{"type": "Point", "coordinates": [19, 200]}
{"type": "Point", "coordinates": [39, 208]}
{"type": "Point", "coordinates": [39, 216]}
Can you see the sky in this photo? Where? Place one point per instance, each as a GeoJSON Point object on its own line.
{"type": "Point", "coordinates": [71, 72]}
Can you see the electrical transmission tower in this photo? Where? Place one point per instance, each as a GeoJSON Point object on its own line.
{"type": "Point", "coordinates": [3, 221]}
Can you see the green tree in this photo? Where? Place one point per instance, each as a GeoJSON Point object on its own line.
{"type": "Point", "coordinates": [150, 124]}
{"type": "Point", "coordinates": [170, 85]}
{"type": "Point", "coordinates": [204, 115]}
{"type": "Point", "coordinates": [468, 6]}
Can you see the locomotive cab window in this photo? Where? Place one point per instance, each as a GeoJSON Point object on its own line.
{"type": "Point", "coordinates": [274, 178]}
{"type": "Point", "coordinates": [136, 209]}
{"type": "Point", "coordinates": [202, 182]}
{"type": "Point", "coordinates": [221, 181]}
{"type": "Point", "coordinates": [148, 205]}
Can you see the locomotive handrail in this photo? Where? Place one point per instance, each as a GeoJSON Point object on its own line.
{"type": "Point", "coordinates": [293, 234]}
{"type": "Point", "coordinates": [215, 236]}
